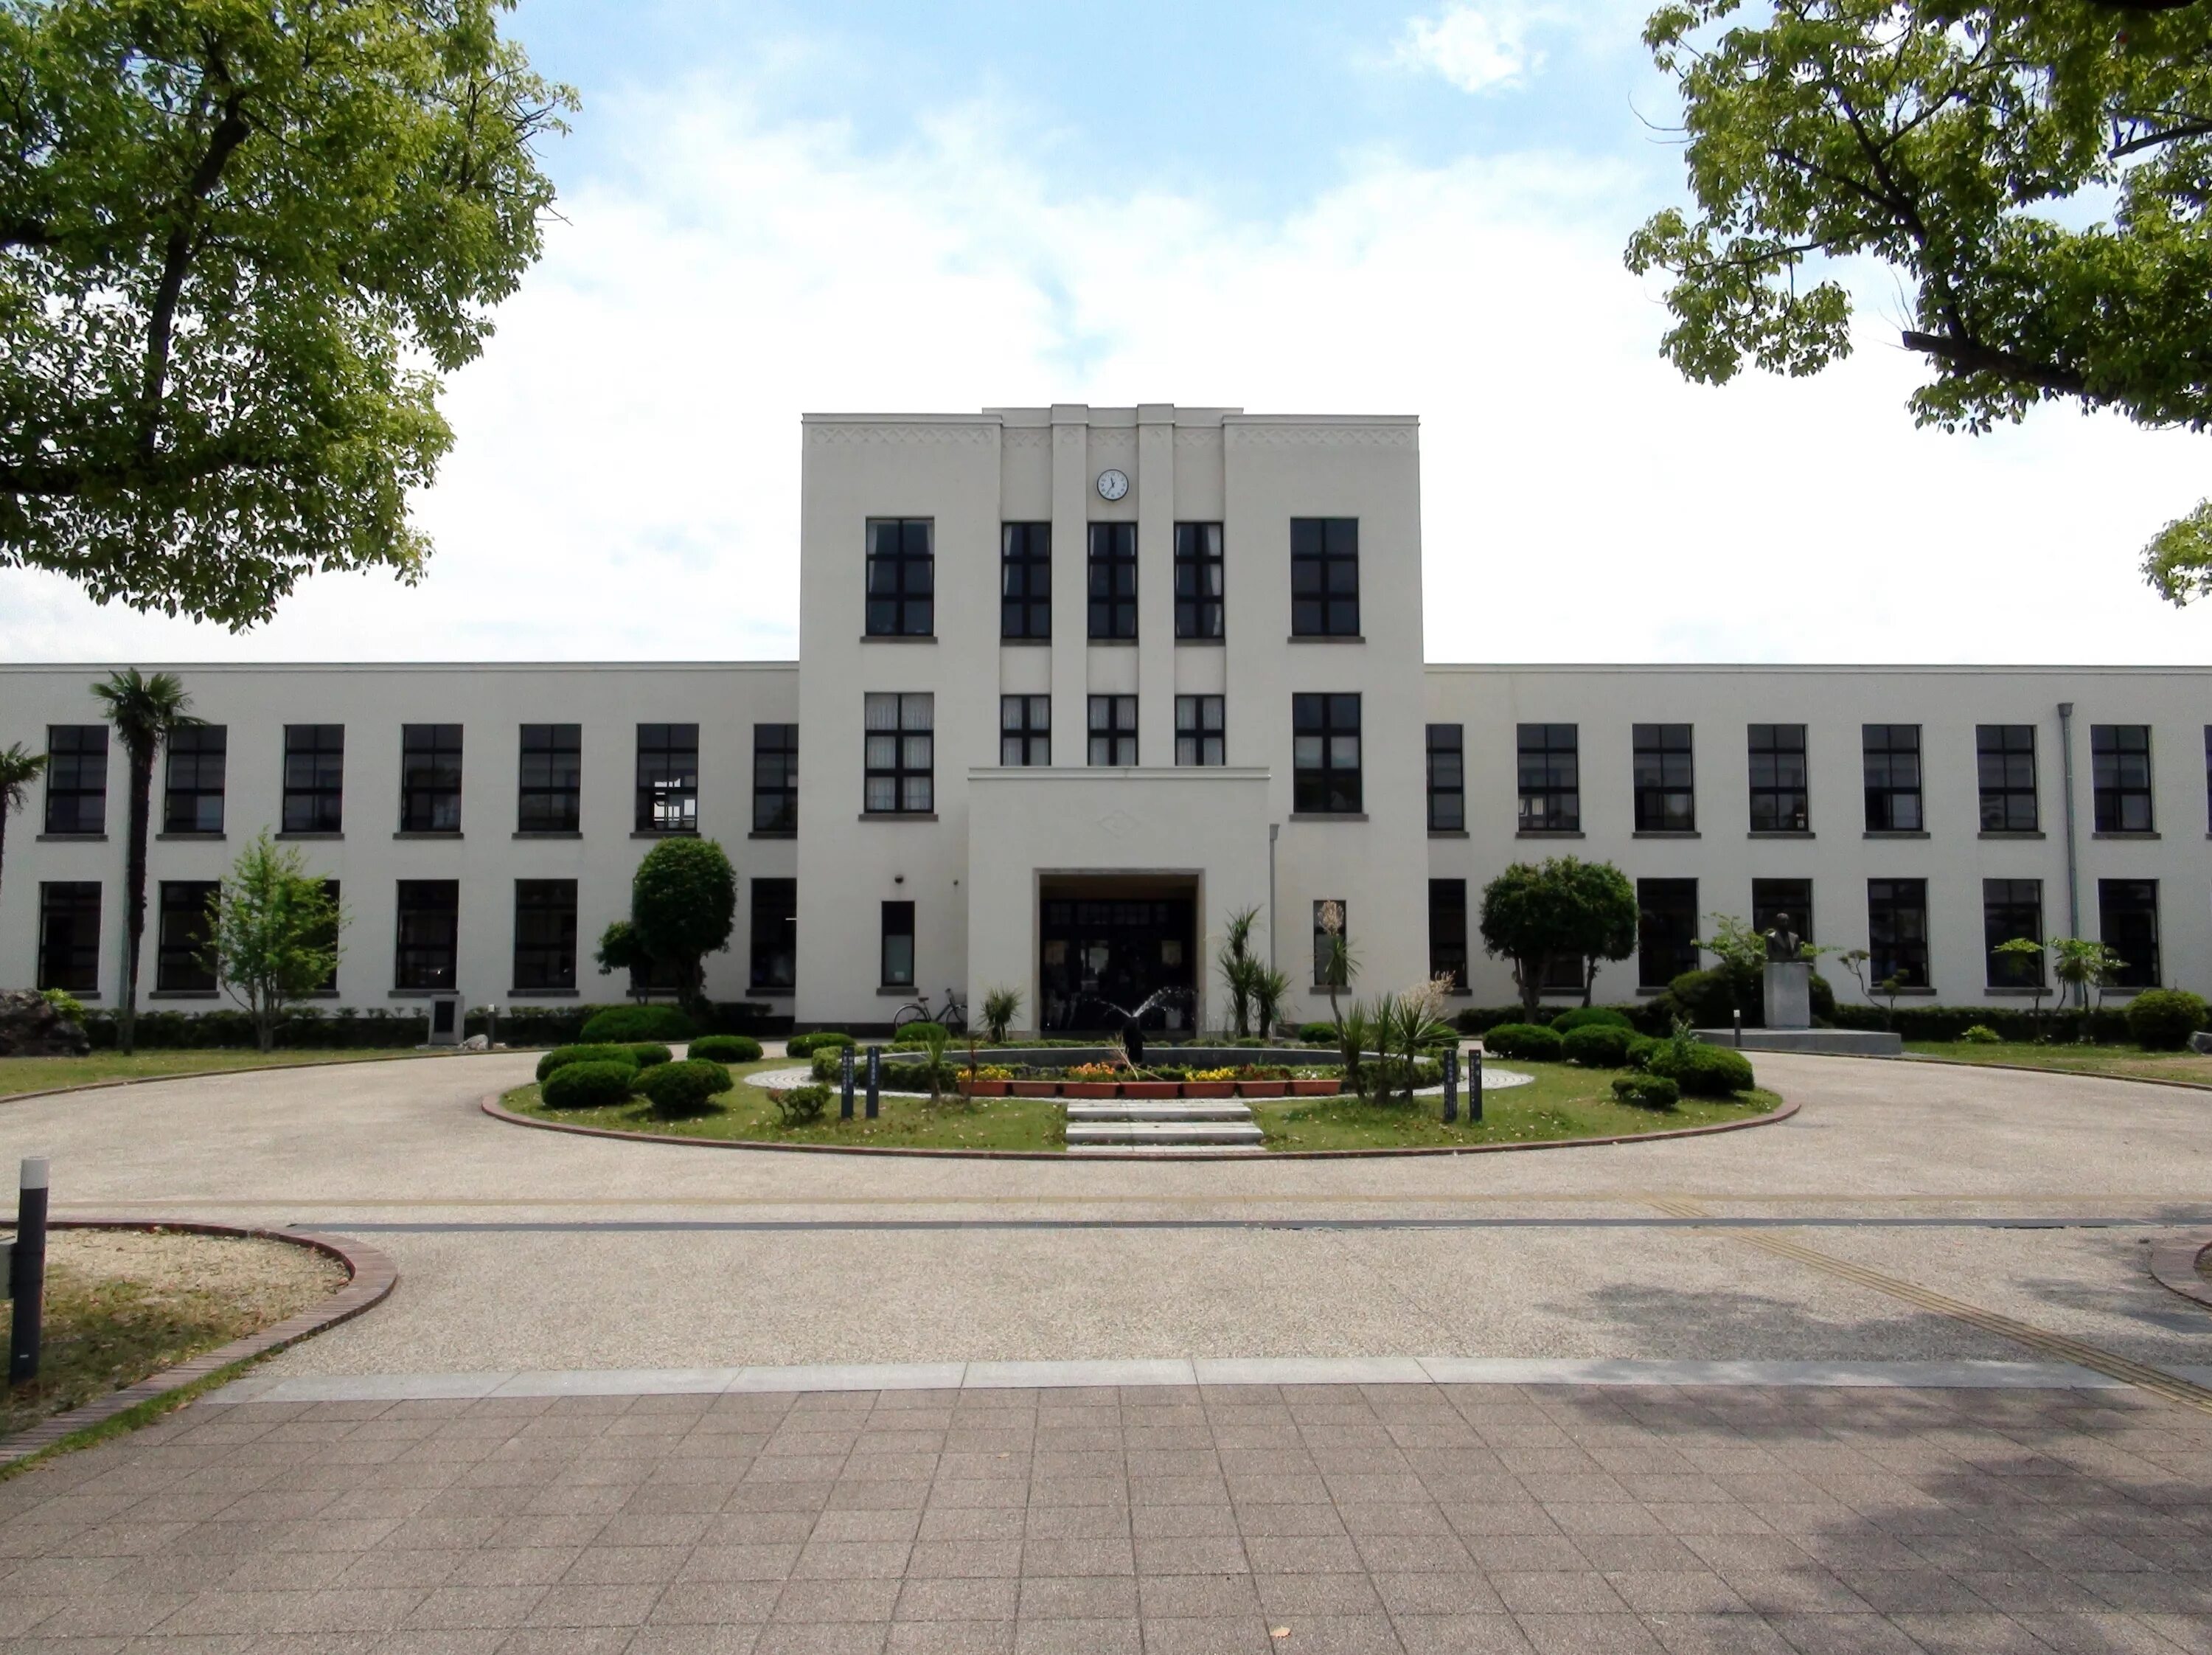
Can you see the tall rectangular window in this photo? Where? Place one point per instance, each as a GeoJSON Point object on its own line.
{"type": "Point", "coordinates": [1113, 721]}
{"type": "Point", "coordinates": [1331, 953]}
{"type": "Point", "coordinates": [900, 776]}
{"type": "Point", "coordinates": [431, 778]}
{"type": "Point", "coordinates": [2127, 923]}
{"type": "Point", "coordinates": [775, 937]}
{"type": "Point", "coordinates": [1666, 930]}
{"type": "Point", "coordinates": [668, 778]}
{"type": "Point", "coordinates": [550, 791]}
{"type": "Point", "coordinates": [1447, 930]}
{"type": "Point", "coordinates": [1200, 738]}
{"type": "Point", "coordinates": [1447, 779]}
{"type": "Point", "coordinates": [69, 935]}
{"type": "Point", "coordinates": [1024, 731]}
{"type": "Point", "coordinates": [775, 778]}
{"type": "Point", "coordinates": [1779, 802]}
{"type": "Point", "coordinates": [192, 778]}
{"type": "Point", "coordinates": [2012, 910]}
{"type": "Point", "coordinates": [1666, 785]}
{"type": "Point", "coordinates": [427, 954]}
{"type": "Point", "coordinates": [1324, 577]}
{"type": "Point", "coordinates": [2120, 770]}
{"type": "Point", "coordinates": [181, 932]}
{"type": "Point", "coordinates": [314, 778]}
{"type": "Point", "coordinates": [1891, 756]}
{"type": "Point", "coordinates": [1198, 580]}
{"type": "Point", "coordinates": [1026, 580]}
{"type": "Point", "coordinates": [1113, 580]}
{"type": "Point", "coordinates": [902, 578]}
{"type": "Point", "coordinates": [1325, 762]}
{"type": "Point", "coordinates": [1897, 932]}
{"type": "Point", "coordinates": [1772, 899]}
{"type": "Point", "coordinates": [898, 944]}
{"type": "Point", "coordinates": [76, 778]}
{"type": "Point", "coordinates": [1550, 778]}
{"type": "Point", "coordinates": [545, 935]}
{"type": "Point", "coordinates": [2004, 771]}
{"type": "Point", "coordinates": [2207, 778]}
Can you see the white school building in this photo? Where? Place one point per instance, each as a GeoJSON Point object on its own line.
{"type": "Point", "coordinates": [1074, 686]}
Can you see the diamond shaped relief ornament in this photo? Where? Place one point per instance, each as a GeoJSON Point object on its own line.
{"type": "Point", "coordinates": [1120, 824]}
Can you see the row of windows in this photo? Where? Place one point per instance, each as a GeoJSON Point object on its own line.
{"type": "Point", "coordinates": [1663, 778]}
{"type": "Point", "coordinates": [548, 794]}
{"type": "Point", "coordinates": [1897, 930]}
{"type": "Point", "coordinates": [426, 939]}
{"type": "Point", "coordinates": [901, 580]}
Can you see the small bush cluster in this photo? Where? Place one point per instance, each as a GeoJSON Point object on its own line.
{"type": "Point", "coordinates": [1699, 1069]}
{"type": "Point", "coordinates": [592, 1083]}
{"type": "Point", "coordinates": [727, 1049]}
{"type": "Point", "coordinates": [920, 1034]}
{"type": "Point", "coordinates": [1647, 1091]}
{"type": "Point", "coordinates": [1317, 1034]}
{"type": "Point", "coordinates": [684, 1088]}
{"type": "Point", "coordinates": [800, 1105]}
{"type": "Point", "coordinates": [1597, 1045]}
{"type": "Point", "coordinates": [805, 1045]}
{"type": "Point", "coordinates": [560, 1056]}
{"type": "Point", "coordinates": [2162, 1019]}
{"type": "Point", "coordinates": [1529, 1040]}
{"type": "Point", "coordinates": [1586, 1017]}
{"type": "Point", "coordinates": [625, 1023]}
{"type": "Point", "coordinates": [1981, 1034]}
{"type": "Point", "coordinates": [647, 1053]}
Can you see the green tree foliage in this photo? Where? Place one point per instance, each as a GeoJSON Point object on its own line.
{"type": "Point", "coordinates": [144, 711]}
{"type": "Point", "coordinates": [683, 902]}
{"type": "Point", "coordinates": [2032, 172]}
{"type": "Point", "coordinates": [238, 244]}
{"type": "Point", "coordinates": [1567, 908]}
{"type": "Point", "coordinates": [275, 935]}
{"type": "Point", "coordinates": [19, 768]}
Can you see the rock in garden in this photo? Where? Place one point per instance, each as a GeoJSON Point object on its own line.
{"type": "Point", "coordinates": [31, 1027]}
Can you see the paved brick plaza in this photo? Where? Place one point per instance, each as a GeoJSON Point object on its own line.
{"type": "Point", "coordinates": [1414, 1518]}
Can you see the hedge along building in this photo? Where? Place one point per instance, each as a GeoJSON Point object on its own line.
{"type": "Point", "coordinates": [1076, 685]}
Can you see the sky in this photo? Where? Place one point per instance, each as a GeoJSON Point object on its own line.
{"type": "Point", "coordinates": [1306, 206]}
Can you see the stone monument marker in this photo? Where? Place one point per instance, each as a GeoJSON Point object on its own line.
{"type": "Point", "coordinates": [1789, 978]}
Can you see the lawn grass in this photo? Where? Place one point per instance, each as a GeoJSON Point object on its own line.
{"type": "Point", "coordinates": [906, 1122]}
{"type": "Point", "coordinates": [1562, 1101]}
{"type": "Point", "coordinates": [2126, 1062]}
{"type": "Point", "coordinates": [39, 1073]}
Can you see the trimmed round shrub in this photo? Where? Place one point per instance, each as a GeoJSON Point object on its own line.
{"type": "Point", "coordinates": [647, 1053]}
{"type": "Point", "coordinates": [1640, 1050]}
{"type": "Point", "coordinates": [1979, 1034]}
{"type": "Point", "coordinates": [800, 1105]}
{"type": "Point", "coordinates": [1585, 1017]}
{"type": "Point", "coordinates": [805, 1045]}
{"type": "Point", "coordinates": [1317, 1034]}
{"type": "Point", "coordinates": [1647, 1091]}
{"type": "Point", "coordinates": [828, 1064]}
{"type": "Point", "coordinates": [2162, 1019]}
{"type": "Point", "coordinates": [725, 1048]}
{"type": "Point", "coordinates": [684, 1088]}
{"type": "Point", "coordinates": [917, 1034]}
{"type": "Point", "coordinates": [624, 1023]}
{"type": "Point", "coordinates": [1529, 1040]}
{"type": "Point", "coordinates": [1710, 1000]}
{"type": "Point", "coordinates": [595, 1084]}
{"type": "Point", "coordinates": [1701, 1070]}
{"type": "Point", "coordinates": [560, 1056]}
{"type": "Point", "coordinates": [1597, 1045]}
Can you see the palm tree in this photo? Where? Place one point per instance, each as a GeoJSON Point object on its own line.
{"type": "Point", "coordinates": [145, 712]}
{"type": "Point", "coordinates": [18, 769]}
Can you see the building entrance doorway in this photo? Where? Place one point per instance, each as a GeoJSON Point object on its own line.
{"type": "Point", "coordinates": [1110, 945]}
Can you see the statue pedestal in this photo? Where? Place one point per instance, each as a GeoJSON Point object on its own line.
{"type": "Point", "coordinates": [1789, 993]}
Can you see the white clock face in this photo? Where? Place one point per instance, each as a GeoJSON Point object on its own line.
{"type": "Point", "coordinates": [1112, 485]}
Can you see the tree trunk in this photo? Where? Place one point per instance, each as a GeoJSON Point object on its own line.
{"type": "Point", "coordinates": [134, 880]}
{"type": "Point", "coordinates": [264, 1027]}
{"type": "Point", "coordinates": [1529, 978]}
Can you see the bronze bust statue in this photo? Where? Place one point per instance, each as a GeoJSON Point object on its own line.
{"type": "Point", "coordinates": [1783, 944]}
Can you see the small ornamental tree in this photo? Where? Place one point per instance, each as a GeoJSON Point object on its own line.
{"type": "Point", "coordinates": [274, 934]}
{"type": "Point", "coordinates": [145, 712]}
{"type": "Point", "coordinates": [1567, 908]}
{"type": "Point", "coordinates": [682, 905]}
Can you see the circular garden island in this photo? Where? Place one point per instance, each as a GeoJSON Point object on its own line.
{"type": "Point", "coordinates": [1603, 1084]}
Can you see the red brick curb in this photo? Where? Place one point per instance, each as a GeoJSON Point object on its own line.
{"type": "Point", "coordinates": [492, 1107]}
{"type": "Point", "coordinates": [373, 1276]}
{"type": "Point", "coordinates": [2174, 1263]}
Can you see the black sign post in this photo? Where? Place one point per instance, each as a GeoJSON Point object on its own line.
{"type": "Point", "coordinates": [875, 1078]}
{"type": "Point", "coordinates": [845, 1083]}
{"type": "Point", "coordinates": [1474, 1085]}
{"type": "Point", "coordinates": [1451, 1086]}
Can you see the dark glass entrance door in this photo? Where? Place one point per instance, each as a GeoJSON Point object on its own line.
{"type": "Point", "coordinates": [1101, 952]}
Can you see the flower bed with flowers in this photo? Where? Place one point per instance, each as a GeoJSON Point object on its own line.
{"type": "Point", "coordinates": [1155, 1080]}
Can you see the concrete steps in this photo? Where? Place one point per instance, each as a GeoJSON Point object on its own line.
{"type": "Point", "coordinates": [1165, 1152]}
{"type": "Point", "coordinates": [1162, 1134]}
{"type": "Point", "coordinates": [1101, 1110]}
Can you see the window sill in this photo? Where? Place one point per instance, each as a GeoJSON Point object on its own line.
{"type": "Point", "coordinates": [1550, 833]}
{"type": "Point", "coordinates": [772, 833]}
{"type": "Point", "coordinates": [661, 833]}
{"type": "Point", "coordinates": [80, 994]}
{"type": "Point", "coordinates": [339, 834]}
{"type": "Point", "coordinates": [1906, 994]}
{"type": "Point", "coordinates": [1448, 833]}
{"type": "Point", "coordinates": [1327, 637]}
{"type": "Point", "coordinates": [543, 993]}
{"type": "Point", "coordinates": [1111, 644]}
{"type": "Point", "coordinates": [1666, 833]}
{"type": "Point", "coordinates": [2147, 834]}
{"type": "Point", "coordinates": [898, 637]}
{"type": "Point", "coordinates": [420, 993]}
{"type": "Point", "coordinates": [73, 839]}
{"type": "Point", "coordinates": [2016, 833]}
{"type": "Point", "coordinates": [440, 833]}
{"type": "Point", "coordinates": [1201, 643]}
{"type": "Point", "coordinates": [1896, 833]}
{"type": "Point", "coordinates": [1328, 816]}
{"type": "Point", "coordinates": [1026, 644]}
{"type": "Point", "coordinates": [217, 836]}
{"type": "Point", "coordinates": [2010, 993]}
{"type": "Point", "coordinates": [184, 993]}
{"type": "Point", "coordinates": [898, 816]}
{"type": "Point", "coordinates": [549, 833]}
{"type": "Point", "coordinates": [1781, 833]}
{"type": "Point", "coordinates": [904, 990]}
{"type": "Point", "coordinates": [766, 991]}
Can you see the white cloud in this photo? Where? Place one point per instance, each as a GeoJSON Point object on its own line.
{"type": "Point", "coordinates": [1478, 48]}
{"type": "Point", "coordinates": [626, 483]}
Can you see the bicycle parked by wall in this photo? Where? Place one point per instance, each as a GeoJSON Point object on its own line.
{"type": "Point", "coordinates": [952, 1015]}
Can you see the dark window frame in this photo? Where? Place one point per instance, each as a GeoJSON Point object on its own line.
{"type": "Point", "coordinates": [431, 778]}
{"type": "Point", "coordinates": [1446, 748]}
{"type": "Point", "coordinates": [1024, 732]}
{"type": "Point", "coordinates": [1897, 933]}
{"type": "Point", "coordinates": [1448, 933]}
{"type": "Point", "coordinates": [900, 583]}
{"type": "Point", "coordinates": [69, 935]}
{"type": "Point", "coordinates": [548, 795]}
{"type": "Point", "coordinates": [911, 775]}
{"type": "Point", "coordinates": [1796, 900]}
{"type": "Point", "coordinates": [1112, 744]}
{"type": "Point", "coordinates": [1666, 931]}
{"type": "Point", "coordinates": [544, 936]}
{"type": "Point", "coordinates": [1781, 779]}
{"type": "Point", "coordinates": [775, 778]}
{"type": "Point", "coordinates": [2010, 909]}
{"type": "Point", "coordinates": [1200, 582]}
{"type": "Point", "coordinates": [183, 916]}
{"type": "Point", "coordinates": [77, 779]}
{"type": "Point", "coordinates": [1202, 732]}
{"type": "Point", "coordinates": [2005, 780]}
{"type": "Point", "coordinates": [2114, 923]}
{"type": "Point", "coordinates": [1893, 778]}
{"type": "Point", "coordinates": [772, 936]}
{"type": "Point", "coordinates": [2120, 778]}
{"type": "Point", "coordinates": [314, 778]}
{"type": "Point", "coordinates": [667, 786]}
{"type": "Point", "coordinates": [1663, 774]}
{"type": "Point", "coordinates": [1324, 577]}
{"type": "Point", "coordinates": [1025, 581]}
{"type": "Point", "coordinates": [1319, 724]}
{"type": "Point", "coordinates": [1110, 579]}
{"type": "Point", "coordinates": [896, 925]}
{"type": "Point", "coordinates": [1548, 777]}
{"type": "Point", "coordinates": [195, 767]}
{"type": "Point", "coordinates": [426, 943]}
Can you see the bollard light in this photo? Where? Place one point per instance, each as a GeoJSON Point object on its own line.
{"type": "Point", "coordinates": [27, 1271]}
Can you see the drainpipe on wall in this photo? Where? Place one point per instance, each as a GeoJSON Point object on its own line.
{"type": "Point", "coordinates": [2073, 874]}
{"type": "Point", "coordinates": [1274, 829]}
